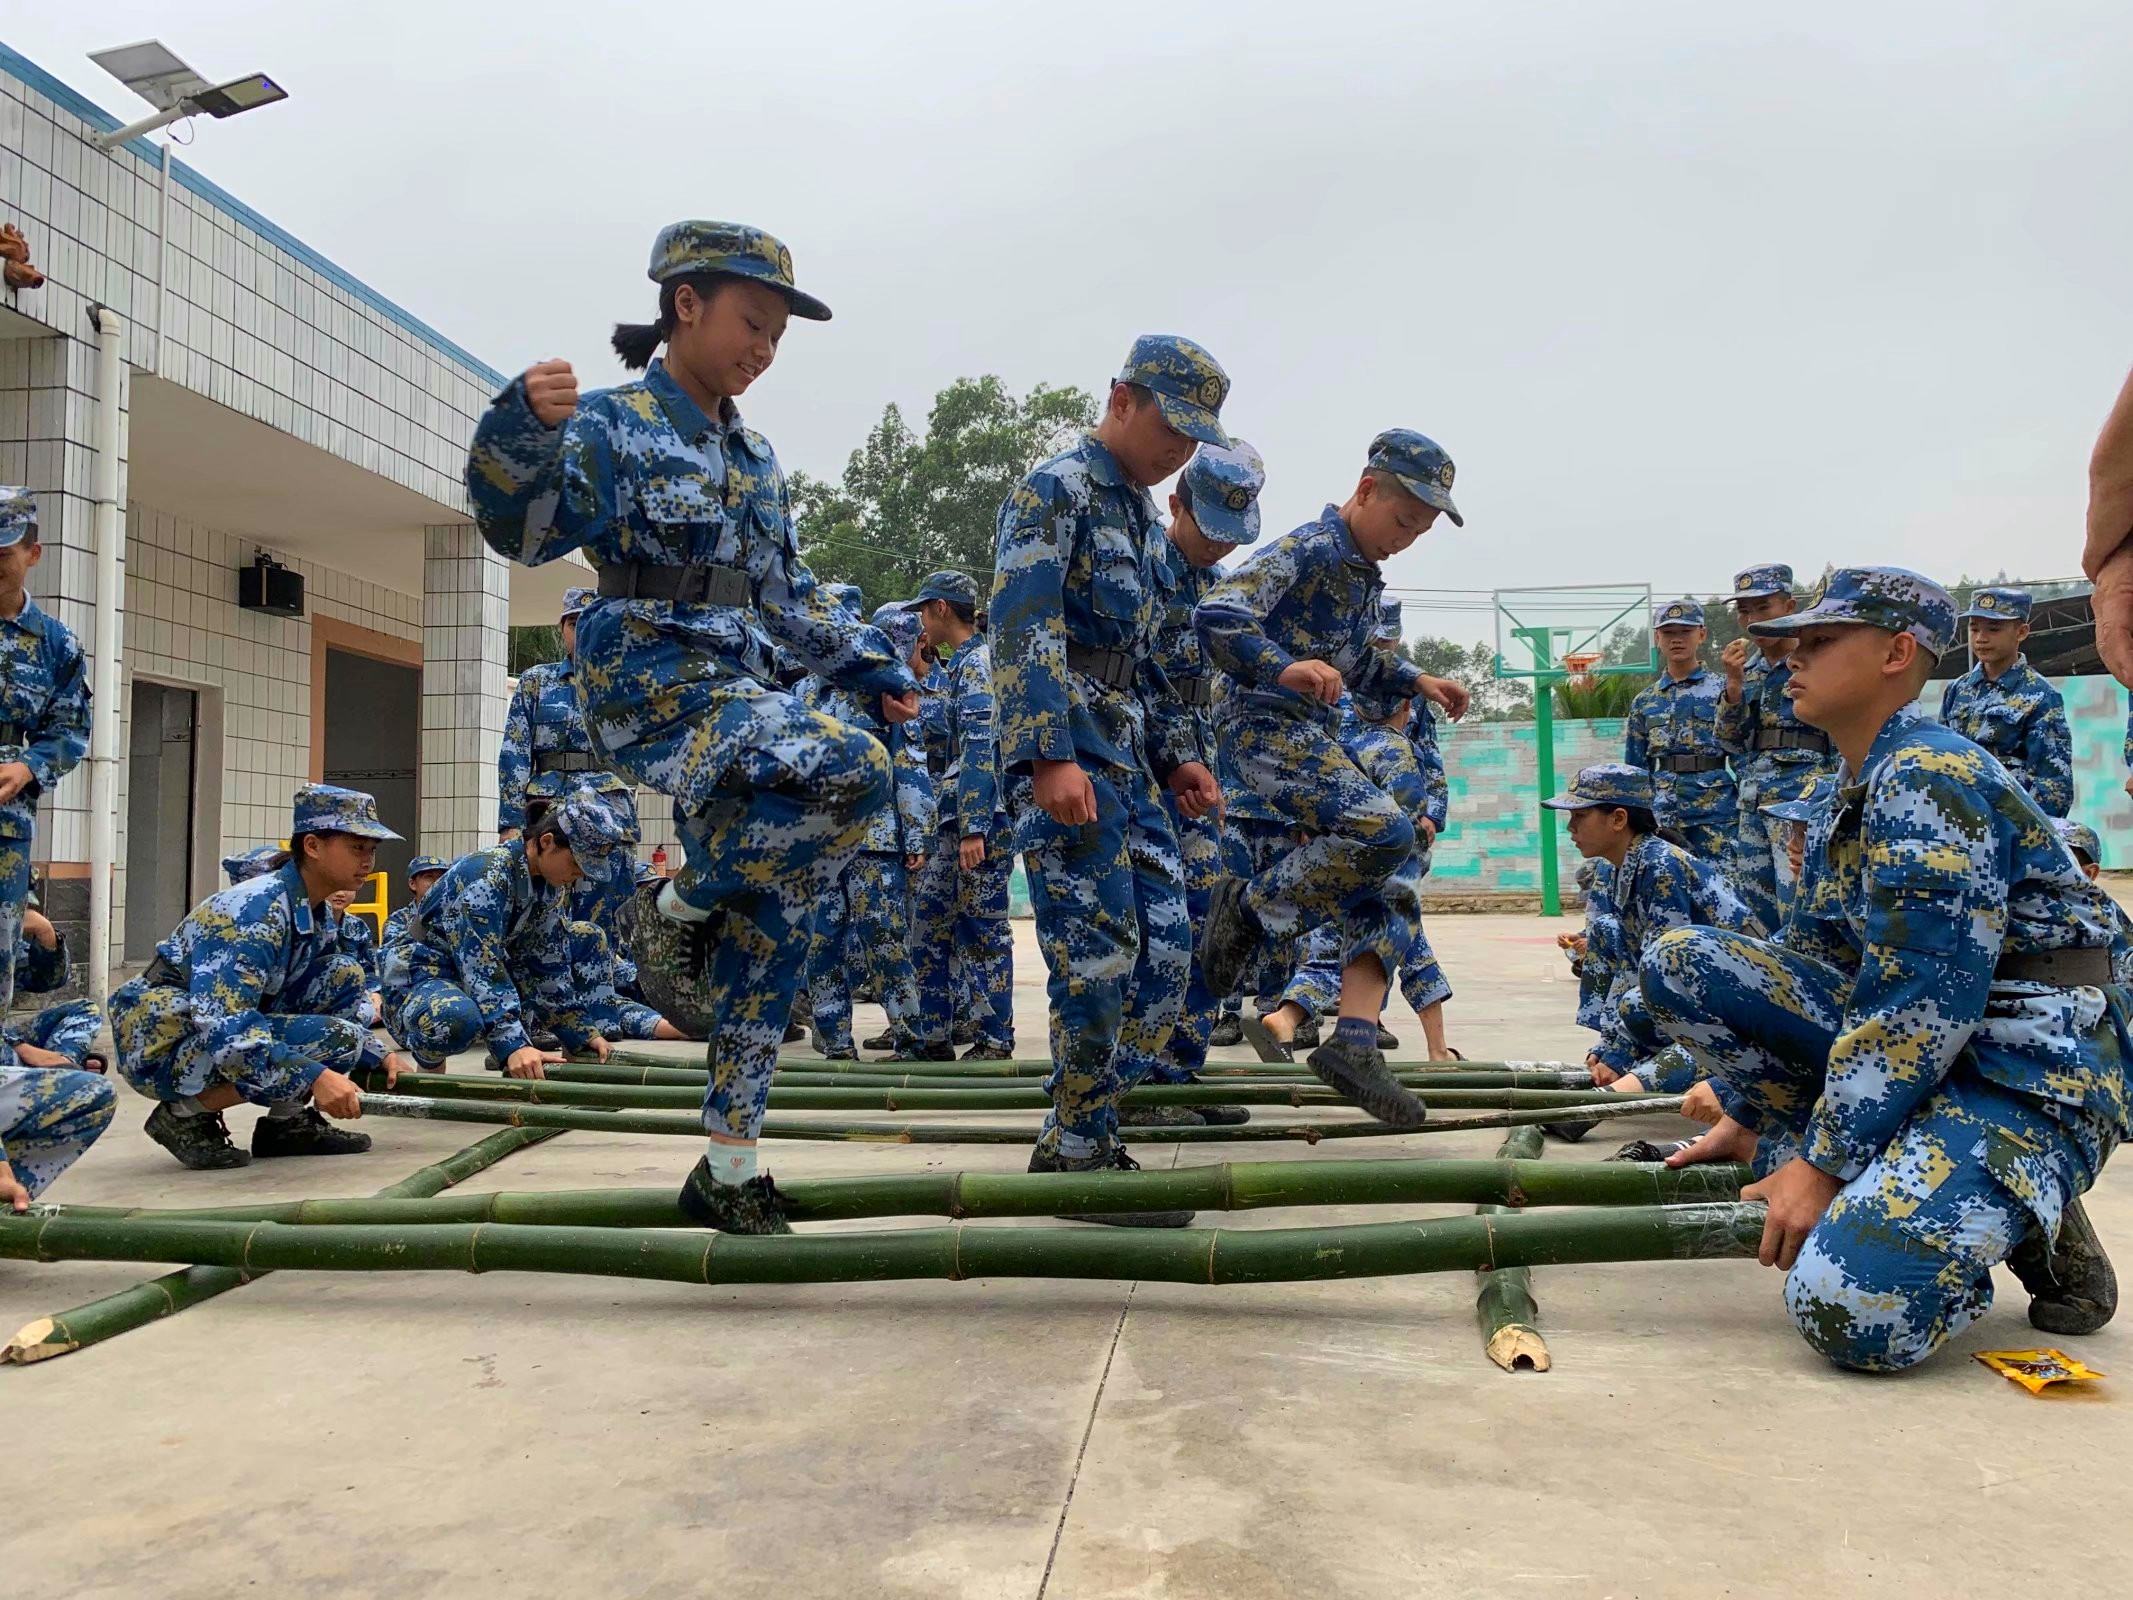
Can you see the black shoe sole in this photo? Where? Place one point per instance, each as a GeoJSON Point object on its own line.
{"type": "Point", "coordinates": [1570, 1132]}
{"type": "Point", "coordinates": [1221, 974]}
{"type": "Point", "coordinates": [1264, 1045]}
{"type": "Point", "coordinates": [2051, 1308]}
{"type": "Point", "coordinates": [1379, 1093]}
{"type": "Point", "coordinates": [229, 1156]}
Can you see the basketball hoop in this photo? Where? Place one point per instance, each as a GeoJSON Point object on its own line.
{"type": "Point", "coordinates": [1579, 664]}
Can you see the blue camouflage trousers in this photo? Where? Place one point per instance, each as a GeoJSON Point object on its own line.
{"type": "Point", "coordinates": [1316, 986]}
{"type": "Point", "coordinates": [770, 797]}
{"type": "Point", "coordinates": [168, 1048]}
{"type": "Point", "coordinates": [1261, 844]}
{"type": "Point", "coordinates": [1356, 867]}
{"type": "Point", "coordinates": [866, 915]}
{"type": "Point", "coordinates": [68, 1029]}
{"type": "Point", "coordinates": [1109, 902]}
{"type": "Point", "coordinates": [595, 976]}
{"type": "Point", "coordinates": [1902, 1260]}
{"type": "Point", "coordinates": [48, 1117]}
{"type": "Point", "coordinates": [14, 891]}
{"type": "Point", "coordinates": [1756, 855]}
{"type": "Point", "coordinates": [1237, 863]}
{"type": "Point", "coordinates": [1200, 862]}
{"type": "Point", "coordinates": [962, 945]}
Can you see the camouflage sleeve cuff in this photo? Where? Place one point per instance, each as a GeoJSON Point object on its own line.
{"type": "Point", "coordinates": [576, 1038]}
{"type": "Point", "coordinates": [1042, 741]}
{"type": "Point", "coordinates": [1825, 1147]}
{"type": "Point", "coordinates": [508, 1040]}
{"type": "Point", "coordinates": [1613, 1053]}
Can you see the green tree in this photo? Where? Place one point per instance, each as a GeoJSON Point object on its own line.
{"type": "Point", "coordinates": [1495, 699]}
{"type": "Point", "coordinates": [909, 503]}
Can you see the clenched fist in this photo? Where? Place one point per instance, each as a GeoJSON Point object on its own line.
{"type": "Point", "coordinates": [551, 392]}
{"type": "Point", "coordinates": [1314, 680]}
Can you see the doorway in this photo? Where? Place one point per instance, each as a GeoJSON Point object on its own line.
{"type": "Point", "coordinates": [162, 747]}
{"type": "Point", "coordinates": [373, 742]}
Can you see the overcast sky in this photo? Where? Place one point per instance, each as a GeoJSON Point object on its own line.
{"type": "Point", "coordinates": [1678, 287]}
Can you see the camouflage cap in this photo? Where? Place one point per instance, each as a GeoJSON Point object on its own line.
{"type": "Point", "coordinates": [847, 595]}
{"type": "Point", "coordinates": [1807, 804]}
{"type": "Point", "coordinates": [2080, 838]}
{"type": "Point", "coordinates": [595, 826]}
{"type": "Point", "coordinates": [421, 864]}
{"type": "Point", "coordinates": [1189, 385]}
{"type": "Point", "coordinates": [1875, 597]}
{"type": "Point", "coordinates": [958, 588]}
{"type": "Point", "coordinates": [575, 601]}
{"type": "Point", "coordinates": [1388, 623]}
{"type": "Point", "coordinates": [1421, 466]}
{"type": "Point", "coordinates": [328, 808]}
{"type": "Point", "coordinates": [736, 250]}
{"type": "Point", "coordinates": [1223, 484]}
{"type": "Point", "coordinates": [1678, 614]}
{"type": "Point", "coordinates": [241, 866]}
{"type": "Point", "coordinates": [1998, 605]}
{"type": "Point", "coordinates": [1611, 783]}
{"type": "Point", "coordinates": [900, 626]}
{"type": "Point", "coordinates": [1759, 583]}
{"type": "Point", "coordinates": [18, 514]}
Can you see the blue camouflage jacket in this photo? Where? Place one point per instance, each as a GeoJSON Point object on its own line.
{"type": "Point", "coordinates": [1932, 864]}
{"type": "Point", "coordinates": [904, 828]}
{"type": "Point", "coordinates": [44, 694]}
{"type": "Point", "coordinates": [360, 944]}
{"type": "Point", "coordinates": [1680, 718]}
{"type": "Point", "coordinates": [1764, 711]}
{"type": "Point", "coordinates": [640, 473]}
{"type": "Point", "coordinates": [1076, 556]}
{"type": "Point", "coordinates": [256, 949]}
{"type": "Point", "coordinates": [1311, 594]}
{"type": "Point", "coordinates": [1660, 886]}
{"type": "Point", "coordinates": [494, 929]}
{"type": "Point", "coordinates": [546, 719]}
{"type": "Point", "coordinates": [1429, 756]}
{"type": "Point", "coordinates": [971, 801]}
{"type": "Point", "coordinates": [38, 970]}
{"type": "Point", "coordinates": [1182, 586]}
{"type": "Point", "coordinates": [2022, 720]}
{"type": "Point", "coordinates": [933, 725]}
{"type": "Point", "coordinates": [1604, 956]}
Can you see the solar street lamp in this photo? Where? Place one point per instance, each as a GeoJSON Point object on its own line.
{"type": "Point", "coordinates": [152, 71]}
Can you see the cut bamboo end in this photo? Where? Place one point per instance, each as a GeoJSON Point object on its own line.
{"type": "Point", "coordinates": [37, 1341]}
{"type": "Point", "coordinates": [1518, 1348]}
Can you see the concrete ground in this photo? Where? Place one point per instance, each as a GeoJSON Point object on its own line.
{"type": "Point", "coordinates": [427, 1434]}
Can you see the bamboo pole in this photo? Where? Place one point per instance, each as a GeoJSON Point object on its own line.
{"type": "Point", "coordinates": [513, 1114]}
{"type": "Point", "coordinates": [1034, 1067]}
{"type": "Point", "coordinates": [820, 1075]}
{"type": "Point", "coordinates": [1218, 1186]}
{"type": "Point", "coordinates": [98, 1320]}
{"type": "Point", "coordinates": [1504, 1304]}
{"type": "Point", "coordinates": [955, 1252]}
{"type": "Point", "coordinates": [1006, 1097]}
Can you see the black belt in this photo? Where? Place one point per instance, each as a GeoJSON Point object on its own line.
{"type": "Point", "coordinates": [565, 761]}
{"type": "Point", "coordinates": [1197, 690]}
{"type": "Point", "coordinates": [11, 733]}
{"type": "Point", "coordinates": [1695, 763]}
{"type": "Point", "coordinates": [162, 975]}
{"type": "Point", "coordinates": [1792, 739]}
{"type": "Point", "coordinates": [2062, 969]}
{"type": "Point", "coordinates": [1115, 669]}
{"type": "Point", "coordinates": [701, 583]}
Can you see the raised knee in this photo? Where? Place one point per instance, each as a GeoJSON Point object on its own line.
{"type": "Point", "coordinates": [1388, 845]}
{"type": "Point", "coordinates": [869, 780]}
{"type": "Point", "coordinates": [1850, 1325]}
{"type": "Point", "coordinates": [1667, 971]}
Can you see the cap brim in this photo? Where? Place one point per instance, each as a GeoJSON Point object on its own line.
{"type": "Point", "coordinates": [1195, 422]}
{"type": "Point", "coordinates": [1820, 616]}
{"type": "Point", "coordinates": [804, 305]}
{"type": "Point", "coordinates": [1661, 627]}
{"type": "Point", "coordinates": [1432, 494]}
{"type": "Point", "coordinates": [369, 830]}
{"type": "Point", "coordinates": [1989, 616]}
{"type": "Point", "coordinates": [1225, 526]}
{"type": "Point", "coordinates": [1570, 802]}
{"type": "Point", "coordinates": [1754, 594]}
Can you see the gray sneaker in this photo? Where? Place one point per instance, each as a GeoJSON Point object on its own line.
{"type": "Point", "coordinates": [1113, 1159]}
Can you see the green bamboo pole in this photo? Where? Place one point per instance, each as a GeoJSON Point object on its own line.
{"type": "Point", "coordinates": [114, 1314]}
{"type": "Point", "coordinates": [1504, 1304]}
{"type": "Point", "coordinates": [507, 1113]}
{"type": "Point", "coordinates": [806, 1076]}
{"type": "Point", "coordinates": [958, 1251]}
{"type": "Point", "coordinates": [1217, 1186]}
{"type": "Point", "coordinates": [653, 1097]}
{"type": "Point", "coordinates": [1032, 1067]}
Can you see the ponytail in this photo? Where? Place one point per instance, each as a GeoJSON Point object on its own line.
{"type": "Point", "coordinates": [637, 342]}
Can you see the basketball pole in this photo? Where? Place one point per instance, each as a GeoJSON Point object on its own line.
{"type": "Point", "coordinates": [1544, 760]}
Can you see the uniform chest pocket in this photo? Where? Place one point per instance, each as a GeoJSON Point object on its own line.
{"type": "Point", "coordinates": [1997, 727]}
{"type": "Point", "coordinates": [1115, 586]}
{"type": "Point", "coordinates": [689, 522]}
{"type": "Point", "coordinates": [1916, 903]}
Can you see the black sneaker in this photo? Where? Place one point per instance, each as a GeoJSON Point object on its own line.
{"type": "Point", "coordinates": [2072, 1287]}
{"type": "Point", "coordinates": [885, 1040]}
{"type": "Point", "coordinates": [1649, 1150]}
{"type": "Point", "coordinates": [794, 1033]}
{"type": "Point", "coordinates": [1230, 938]}
{"type": "Point", "coordinates": [308, 1133]}
{"type": "Point", "coordinates": [1115, 1159]}
{"type": "Point", "coordinates": [201, 1142]}
{"type": "Point", "coordinates": [1387, 1039]}
{"type": "Point", "coordinates": [1220, 1116]}
{"type": "Point", "coordinates": [751, 1207]}
{"type": "Point", "coordinates": [1264, 1045]}
{"type": "Point", "coordinates": [1130, 1116]}
{"type": "Point", "coordinates": [545, 1040]}
{"type": "Point", "coordinates": [1306, 1034]}
{"type": "Point", "coordinates": [671, 957]}
{"type": "Point", "coordinates": [828, 1051]}
{"type": "Point", "coordinates": [1569, 1131]}
{"type": "Point", "coordinates": [1228, 1030]}
{"type": "Point", "coordinates": [964, 1032]}
{"type": "Point", "coordinates": [982, 1051]}
{"type": "Point", "coordinates": [1361, 1076]}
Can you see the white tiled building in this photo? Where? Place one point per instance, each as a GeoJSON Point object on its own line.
{"type": "Point", "coordinates": [273, 404]}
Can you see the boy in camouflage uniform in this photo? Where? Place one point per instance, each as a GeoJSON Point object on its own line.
{"type": "Point", "coordinates": [252, 999]}
{"type": "Point", "coordinates": [1292, 629]}
{"type": "Point", "coordinates": [685, 511]}
{"type": "Point", "coordinates": [1672, 732]}
{"type": "Point", "coordinates": [490, 954]}
{"type": "Point", "coordinates": [1775, 755]}
{"type": "Point", "coordinates": [2006, 705]}
{"type": "Point", "coordinates": [962, 948]}
{"type": "Point", "coordinates": [421, 873]}
{"type": "Point", "coordinates": [1090, 733]}
{"type": "Point", "coordinates": [58, 1036]}
{"type": "Point", "coordinates": [1930, 1067]}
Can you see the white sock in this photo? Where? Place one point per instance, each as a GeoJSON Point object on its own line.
{"type": "Point", "coordinates": [731, 1164]}
{"type": "Point", "coordinates": [672, 905]}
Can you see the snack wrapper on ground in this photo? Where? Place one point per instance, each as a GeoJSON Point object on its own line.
{"type": "Point", "coordinates": [2035, 1370]}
